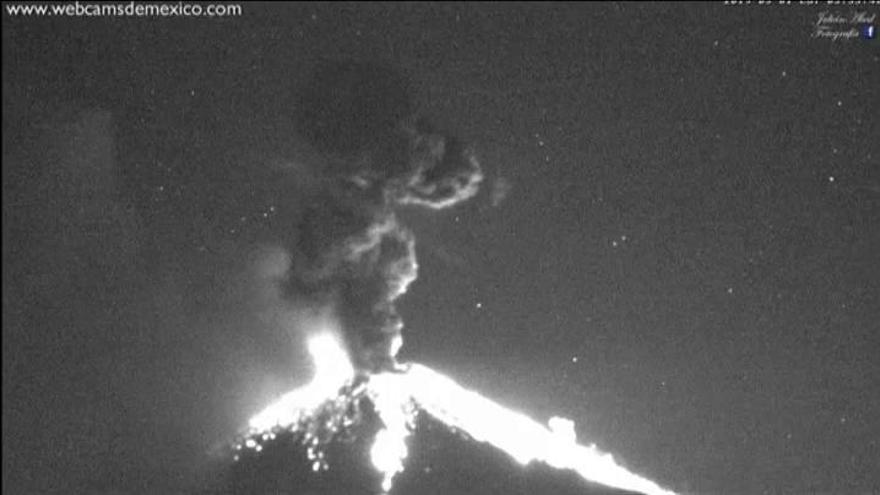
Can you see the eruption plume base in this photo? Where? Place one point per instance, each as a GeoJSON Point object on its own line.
{"type": "Point", "coordinates": [398, 397]}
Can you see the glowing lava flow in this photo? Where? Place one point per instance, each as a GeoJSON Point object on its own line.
{"type": "Point", "coordinates": [516, 434]}
{"type": "Point", "coordinates": [397, 397]}
{"type": "Point", "coordinates": [332, 370]}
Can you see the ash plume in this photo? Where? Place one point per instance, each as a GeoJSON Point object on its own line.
{"type": "Point", "coordinates": [350, 251]}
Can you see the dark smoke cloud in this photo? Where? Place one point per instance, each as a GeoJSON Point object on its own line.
{"type": "Point", "coordinates": [350, 250]}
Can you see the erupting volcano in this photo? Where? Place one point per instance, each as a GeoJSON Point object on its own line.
{"type": "Point", "coordinates": [351, 258]}
{"type": "Point", "coordinates": [331, 407]}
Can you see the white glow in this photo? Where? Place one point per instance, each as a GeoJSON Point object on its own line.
{"type": "Point", "coordinates": [332, 370]}
{"type": "Point", "coordinates": [332, 366]}
{"type": "Point", "coordinates": [387, 454]}
{"type": "Point", "coordinates": [562, 428]}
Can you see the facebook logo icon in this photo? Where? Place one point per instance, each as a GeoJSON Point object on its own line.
{"type": "Point", "coordinates": [869, 31]}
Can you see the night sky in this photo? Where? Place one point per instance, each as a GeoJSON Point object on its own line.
{"type": "Point", "coordinates": [675, 245]}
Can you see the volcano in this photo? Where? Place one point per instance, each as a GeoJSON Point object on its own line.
{"type": "Point", "coordinates": [367, 423]}
{"type": "Point", "coordinates": [410, 431]}
{"type": "Point", "coordinates": [442, 460]}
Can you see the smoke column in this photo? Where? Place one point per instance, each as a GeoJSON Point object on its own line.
{"type": "Point", "coordinates": [349, 250]}
{"type": "Point", "coordinates": [351, 255]}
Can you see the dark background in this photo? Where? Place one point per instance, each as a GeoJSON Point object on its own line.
{"type": "Point", "coordinates": [676, 245]}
